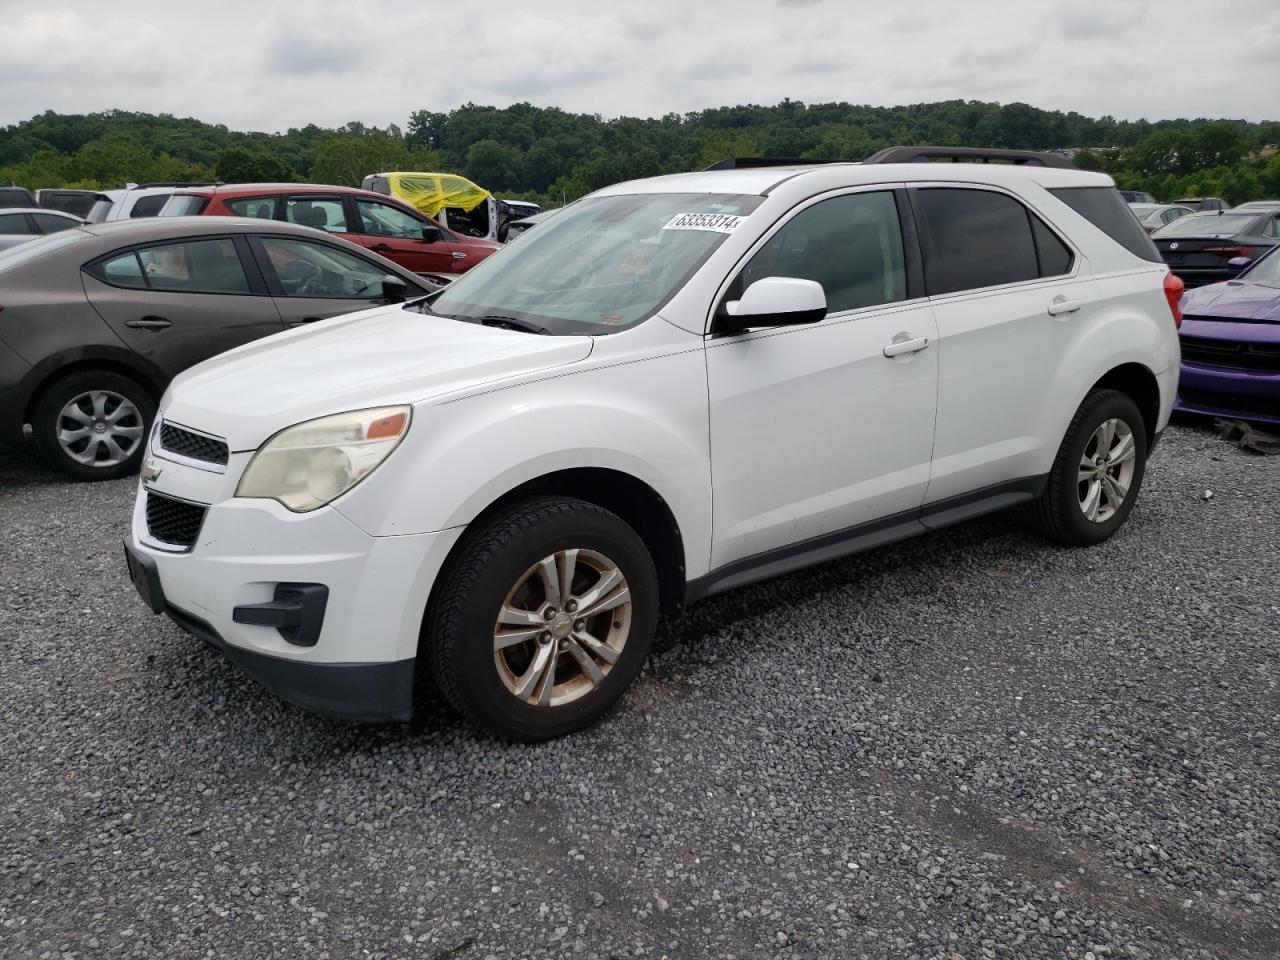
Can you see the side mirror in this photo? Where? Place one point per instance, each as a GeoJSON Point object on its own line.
{"type": "Point", "coordinates": [1239, 263]}
{"type": "Point", "coordinates": [431, 234]}
{"type": "Point", "coordinates": [394, 290]}
{"type": "Point", "coordinates": [775, 302]}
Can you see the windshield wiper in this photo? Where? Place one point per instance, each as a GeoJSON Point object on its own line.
{"type": "Point", "coordinates": [511, 323]}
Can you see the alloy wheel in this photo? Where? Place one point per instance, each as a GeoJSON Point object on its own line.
{"type": "Point", "coordinates": [562, 627]}
{"type": "Point", "coordinates": [1106, 470]}
{"type": "Point", "coordinates": [100, 428]}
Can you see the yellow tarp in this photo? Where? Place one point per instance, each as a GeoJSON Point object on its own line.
{"type": "Point", "coordinates": [430, 192]}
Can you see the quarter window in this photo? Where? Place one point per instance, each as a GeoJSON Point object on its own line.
{"type": "Point", "coordinates": [123, 271]}
{"type": "Point", "coordinates": [306, 269]}
{"type": "Point", "coordinates": [148, 206]}
{"type": "Point", "coordinates": [852, 245]}
{"type": "Point", "coordinates": [322, 213]}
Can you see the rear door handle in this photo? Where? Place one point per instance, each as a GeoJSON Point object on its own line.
{"type": "Point", "coordinates": [459, 255]}
{"type": "Point", "coordinates": [381, 246]}
{"type": "Point", "coordinates": [903, 343]}
{"type": "Point", "coordinates": [149, 323]}
{"type": "Point", "coordinates": [1061, 305]}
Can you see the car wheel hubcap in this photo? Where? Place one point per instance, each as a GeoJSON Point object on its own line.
{"type": "Point", "coordinates": [562, 627]}
{"type": "Point", "coordinates": [99, 428]}
{"type": "Point", "coordinates": [1106, 470]}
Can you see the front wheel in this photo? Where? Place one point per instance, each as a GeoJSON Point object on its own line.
{"type": "Point", "coordinates": [93, 424]}
{"type": "Point", "coordinates": [543, 618]}
{"type": "Point", "coordinates": [1098, 471]}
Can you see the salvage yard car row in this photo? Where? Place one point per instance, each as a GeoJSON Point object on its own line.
{"type": "Point", "coordinates": [510, 476]}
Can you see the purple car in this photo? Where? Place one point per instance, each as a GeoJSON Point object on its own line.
{"type": "Point", "coordinates": [1231, 346]}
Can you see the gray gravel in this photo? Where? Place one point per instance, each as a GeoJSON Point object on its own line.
{"type": "Point", "coordinates": [970, 745]}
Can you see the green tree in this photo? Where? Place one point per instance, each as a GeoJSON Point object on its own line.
{"type": "Point", "coordinates": [242, 165]}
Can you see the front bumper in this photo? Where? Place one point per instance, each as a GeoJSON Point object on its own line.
{"type": "Point", "coordinates": [361, 648]}
{"type": "Point", "coordinates": [1235, 394]}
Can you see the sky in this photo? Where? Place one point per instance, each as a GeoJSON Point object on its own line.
{"type": "Point", "coordinates": [269, 65]}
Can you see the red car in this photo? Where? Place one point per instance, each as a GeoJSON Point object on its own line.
{"type": "Point", "coordinates": [383, 224]}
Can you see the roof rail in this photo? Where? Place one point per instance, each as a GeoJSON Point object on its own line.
{"type": "Point", "coordinates": [1025, 158]}
{"type": "Point", "coordinates": [175, 183]}
{"type": "Point", "coordinates": [746, 163]}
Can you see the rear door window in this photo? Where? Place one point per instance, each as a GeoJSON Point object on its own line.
{"type": "Point", "coordinates": [1103, 207]}
{"type": "Point", "coordinates": [188, 266]}
{"type": "Point", "coordinates": [48, 223]}
{"type": "Point", "coordinates": [322, 213]}
{"type": "Point", "coordinates": [260, 208]}
{"type": "Point", "coordinates": [976, 238]}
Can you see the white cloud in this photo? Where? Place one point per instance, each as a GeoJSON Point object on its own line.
{"type": "Point", "coordinates": [272, 64]}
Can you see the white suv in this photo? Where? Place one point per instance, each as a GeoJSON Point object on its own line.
{"type": "Point", "coordinates": [672, 388]}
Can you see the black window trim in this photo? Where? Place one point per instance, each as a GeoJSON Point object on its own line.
{"type": "Point", "coordinates": [910, 252]}
{"type": "Point", "coordinates": [1072, 274]}
{"type": "Point", "coordinates": [262, 262]}
{"type": "Point", "coordinates": [252, 273]}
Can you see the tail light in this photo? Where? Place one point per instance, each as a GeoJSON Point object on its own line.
{"type": "Point", "coordinates": [1173, 290]}
{"type": "Point", "coordinates": [1226, 253]}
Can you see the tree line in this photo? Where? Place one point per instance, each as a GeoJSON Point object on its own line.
{"type": "Point", "coordinates": [550, 156]}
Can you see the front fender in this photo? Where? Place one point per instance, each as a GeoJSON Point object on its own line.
{"type": "Point", "coordinates": [647, 419]}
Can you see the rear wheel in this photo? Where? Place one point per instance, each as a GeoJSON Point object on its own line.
{"type": "Point", "coordinates": [543, 618]}
{"type": "Point", "coordinates": [93, 424]}
{"type": "Point", "coordinates": [1098, 471]}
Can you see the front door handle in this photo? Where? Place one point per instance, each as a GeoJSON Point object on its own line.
{"type": "Point", "coordinates": [149, 323]}
{"type": "Point", "coordinates": [381, 246]}
{"type": "Point", "coordinates": [903, 343]}
{"type": "Point", "coordinates": [459, 255]}
{"type": "Point", "coordinates": [304, 321]}
{"type": "Point", "coordinates": [1061, 305]}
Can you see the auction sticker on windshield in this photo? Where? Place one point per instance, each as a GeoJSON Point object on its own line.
{"type": "Point", "coordinates": [717, 222]}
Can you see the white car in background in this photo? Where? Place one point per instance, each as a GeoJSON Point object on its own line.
{"type": "Point", "coordinates": [674, 387]}
{"type": "Point", "coordinates": [18, 225]}
{"type": "Point", "coordinates": [136, 200]}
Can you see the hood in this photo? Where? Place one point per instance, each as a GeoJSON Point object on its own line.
{"type": "Point", "coordinates": [1234, 300]}
{"type": "Point", "coordinates": [373, 358]}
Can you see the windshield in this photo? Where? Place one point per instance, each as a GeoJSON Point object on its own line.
{"type": "Point", "coordinates": [1207, 225]}
{"type": "Point", "coordinates": [20, 254]}
{"type": "Point", "coordinates": [1266, 269]}
{"type": "Point", "coordinates": [600, 265]}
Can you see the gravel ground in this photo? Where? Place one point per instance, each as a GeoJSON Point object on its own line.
{"type": "Point", "coordinates": [970, 745]}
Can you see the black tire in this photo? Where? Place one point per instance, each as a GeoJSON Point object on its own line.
{"type": "Point", "coordinates": [1058, 514]}
{"type": "Point", "coordinates": [48, 409]}
{"type": "Point", "coordinates": [459, 629]}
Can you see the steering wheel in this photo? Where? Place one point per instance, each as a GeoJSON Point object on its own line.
{"type": "Point", "coordinates": [299, 277]}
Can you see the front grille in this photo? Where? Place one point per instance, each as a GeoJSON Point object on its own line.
{"type": "Point", "coordinates": [193, 445]}
{"type": "Point", "coordinates": [1231, 402]}
{"type": "Point", "coordinates": [172, 521]}
{"type": "Point", "coordinates": [1264, 357]}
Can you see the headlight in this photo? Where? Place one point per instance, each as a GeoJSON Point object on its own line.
{"type": "Point", "coordinates": [307, 465]}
